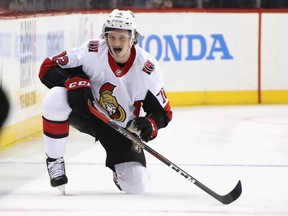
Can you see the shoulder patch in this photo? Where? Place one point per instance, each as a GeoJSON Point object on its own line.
{"type": "Point", "coordinates": [148, 67]}
{"type": "Point", "coordinates": [93, 46]}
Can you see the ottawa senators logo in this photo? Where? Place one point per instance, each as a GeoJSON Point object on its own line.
{"type": "Point", "coordinates": [93, 46]}
{"type": "Point", "coordinates": [148, 67]}
{"type": "Point", "coordinates": [110, 104]}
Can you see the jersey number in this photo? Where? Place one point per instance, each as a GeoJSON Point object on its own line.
{"type": "Point", "coordinates": [163, 95]}
{"type": "Point", "coordinates": [61, 58]}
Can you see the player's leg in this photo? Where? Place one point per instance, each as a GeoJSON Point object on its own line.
{"type": "Point", "coordinates": [56, 129]}
{"type": "Point", "coordinates": [131, 177]}
{"type": "Point", "coordinates": [127, 163]}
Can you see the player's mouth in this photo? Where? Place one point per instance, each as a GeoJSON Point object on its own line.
{"type": "Point", "coordinates": [117, 50]}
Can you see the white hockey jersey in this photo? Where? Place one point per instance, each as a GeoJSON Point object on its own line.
{"type": "Point", "coordinates": [119, 92]}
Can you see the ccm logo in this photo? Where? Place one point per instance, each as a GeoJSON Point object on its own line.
{"type": "Point", "coordinates": [79, 84]}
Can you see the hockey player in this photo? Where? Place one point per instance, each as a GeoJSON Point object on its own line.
{"type": "Point", "coordinates": [123, 81]}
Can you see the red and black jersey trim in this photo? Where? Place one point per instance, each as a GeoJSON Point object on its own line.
{"type": "Point", "coordinates": [161, 115]}
{"type": "Point", "coordinates": [148, 67]}
{"type": "Point", "coordinates": [52, 75]}
{"type": "Point", "coordinates": [93, 46]}
{"type": "Point", "coordinates": [115, 68]}
{"type": "Point", "coordinates": [55, 129]}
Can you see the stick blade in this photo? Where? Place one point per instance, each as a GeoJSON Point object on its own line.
{"type": "Point", "coordinates": [233, 195]}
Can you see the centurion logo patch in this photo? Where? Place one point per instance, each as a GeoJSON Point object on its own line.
{"type": "Point", "coordinates": [109, 102]}
{"type": "Point", "coordinates": [93, 46]}
{"type": "Point", "coordinates": [148, 67]}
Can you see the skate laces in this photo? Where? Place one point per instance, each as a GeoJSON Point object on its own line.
{"type": "Point", "coordinates": [56, 168]}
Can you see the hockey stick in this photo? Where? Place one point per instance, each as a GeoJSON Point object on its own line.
{"type": "Point", "coordinates": [225, 199]}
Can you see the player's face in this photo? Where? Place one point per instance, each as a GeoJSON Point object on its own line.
{"type": "Point", "coordinates": [119, 45]}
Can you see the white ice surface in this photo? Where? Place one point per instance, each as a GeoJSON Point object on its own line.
{"type": "Point", "coordinates": [216, 145]}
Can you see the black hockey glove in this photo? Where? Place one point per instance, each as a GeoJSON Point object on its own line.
{"type": "Point", "coordinates": [144, 127]}
{"type": "Point", "coordinates": [78, 93]}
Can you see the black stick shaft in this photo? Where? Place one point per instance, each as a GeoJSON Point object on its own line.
{"type": "Point", "coordinates": [226, 199]}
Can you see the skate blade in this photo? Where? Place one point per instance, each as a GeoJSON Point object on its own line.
{"type": "Point", "coordinates": [62, 189]}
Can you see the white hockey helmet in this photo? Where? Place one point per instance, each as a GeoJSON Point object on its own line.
{"type": "Point", "coordinates": [120, 19]}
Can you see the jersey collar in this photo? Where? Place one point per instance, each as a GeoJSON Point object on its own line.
{"type": "Point", "coordinates": [119, 72]}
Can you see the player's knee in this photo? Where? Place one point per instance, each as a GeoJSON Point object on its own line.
{"type": "Point", "coordinates": [132, 177]}
{"type": "Point", "coordinates": [55, 105]}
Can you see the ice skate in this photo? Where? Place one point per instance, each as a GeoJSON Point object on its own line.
{"type": "Point", "coordinates": [57, 173]}
{"type": "Point", "coordinates": [116, 181]}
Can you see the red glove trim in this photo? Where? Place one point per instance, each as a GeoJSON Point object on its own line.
{"type": "Point", "coordinates": [154, 127]}
{"type": "Point", "coordinates": [76, 83]}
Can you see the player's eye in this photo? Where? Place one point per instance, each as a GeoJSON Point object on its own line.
{"type": "Point", "coordinates": [123, 38]}
{"type": "Point", "coordinates": [111, 37]}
